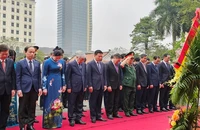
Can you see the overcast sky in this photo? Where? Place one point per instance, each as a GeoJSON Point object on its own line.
{"type": "Point", "coordinates": [113, 21]}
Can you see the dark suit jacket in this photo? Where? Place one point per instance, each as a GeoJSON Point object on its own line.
{"type": "Point", "coordinates": [164, 72]}
{"type": "Point", "coordinates": [153, 74]}
{"type": "Point", "coordinates": [114, 79]}
{"type": "Point", "coordinates": [25, 79]}
{"type": "Point", "coordinates": [8, 78]}
{"type": "Point", "coordinates": [141, 75]}
{"type": "Point", "coordinates": [76, 78]}
{"type": "Point", "coordinates": [96, 78]}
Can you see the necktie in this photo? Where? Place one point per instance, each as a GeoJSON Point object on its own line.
{"type": "Point", "coordinates": [80, 67]}
{"type": "Point", "coordinates": [145, 67]}
{"type": "Point", "coordinates": [30, 66]}
{"type": "Point", "coordinates": [3, 65]}
{"type": "Point", "coordinates": [117, 69]}
{"type": "Point", "coordinates": [99, 66]}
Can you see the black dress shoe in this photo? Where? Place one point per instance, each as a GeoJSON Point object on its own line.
{"type": "Point", "coordinates": [133, 114]}
{"type": "Point", "coordinates": [167, 109]}
{"type": "Point", "coordinates": [30, 127]}
{"type": "Point", "coordinates": [93, 120]}
{"type": "Point", "coordinates": [117, 116]}
{"type": "Point", "coordinates": [71, 123]}
{"type": "Point", "coordinates": [80, 122]}
{"type": "Point", "coordinates": [143, 111]}
{"type": "Point", "coordinates": [84, 110]}
{"type": "Point", "coordinates": [64, 118]}
{"type": "Point", "coordinates": [156, 110]}
{"type": "Point", "coordinates": [139, 112]}
{"type": "Point", "coordinates": [22, 128]}
{"type": "Point", "coordinates": [101, 119]}
{"type": "Point", "coordinates": [163, 109]}
{"type": "Point", "coordinates": [150, 111]}
{"type": "Point", "coordinates": [120, 110]}
{"type": "Point", "coordinates": [173, 108]}
{"type": "Point", "coordinates": [110, 117]}
{"type": "Point", "coordinates": [36, 121]}
{"type": "Point", "coordinates": [127, 115]}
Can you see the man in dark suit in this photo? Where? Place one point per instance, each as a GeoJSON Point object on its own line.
{"type": "Point", "coordinates": [164, 72]}
{"type": "Point", "coordinates": [28, 81]}
{"type": "Point", "coordinates": [7, 84]}
{"type": "Point", "coordinates": [154, 84]}
{"type": "Point", "coordinates": [76, 86]}
{"type": "Point", "coordinates": [141, 83]}
{"type": "Point", "coordinates": [96, 75]}
{"type": "Point", "coordinates": [114, 82]}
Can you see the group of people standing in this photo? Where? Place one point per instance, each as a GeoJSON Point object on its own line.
{"type": "Point", "coordinates": [119, 80]}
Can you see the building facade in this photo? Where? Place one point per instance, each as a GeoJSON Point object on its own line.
{"type": "Point", "coordinates": [17, 22]}
{"type": "Point", "coordinates": [74, 29]}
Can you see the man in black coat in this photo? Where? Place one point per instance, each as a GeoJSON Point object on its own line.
{"type": "Point", "coordinates": [141, 83]}
{"type": "Point", "coordinates": [7, 84]}
{"type": "Point", "coordinates": [165, 76]}
{"type": "Point", "coordinates": [154, 84]}
{"type": "Point", "coordinates": [96, 75]}
{"type": "Point", "coordinates": [114, 82]}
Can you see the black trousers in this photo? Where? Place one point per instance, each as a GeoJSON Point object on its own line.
{"type": "Point", "coordinates": [112, 102]}
{"type": "Point", "coordinates": [121, 99]}
{"type": "Point", "coordinates": [153, 97]}
{"type": "Point", "coordinates": [170, 101]}
{"type": "Point", "coordinates": [164, 96]}
{"type": "Point", "coordinates": [95, 101]}
{"type": "Point", "coordinates": [27, 105]}
{"type": "Point", "coordinates": [41, 100]}
{"type": "Point", "coordinates": [65, 98]}
{"type": "Point", "coordinates": [129, 98]}
{"type": "Point", "coordinates": [75, 105]}
{"type": "Point", "coordinates": [5, 100]}
{"type": "Point", "coordinates": [141, 98]}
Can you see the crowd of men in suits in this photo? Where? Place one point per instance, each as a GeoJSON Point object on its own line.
{"type": "Point", "coordinates": [135, 84]}
{"type": "Point", "coordinates": [122, 81]}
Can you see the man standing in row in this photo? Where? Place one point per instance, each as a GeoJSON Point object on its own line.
{"type": "Point", "coordinates": [76, 86]}
{"type": "Point", "coordinates": [28, 81]}
{"type": "Point", "coordinates": [129, 82]}
{"type": "Point", "coordinates": [114, 82]}
{"type": "Point", "coordinates": [154, 84]}
{"type": "Point", "coordinates": [96, 74]}
{"type": "Point", "coordinates": [7, 84]}
{"type": "Point", "coordinates": [164, 71]}
{"type": "Point", "coordinates": [142, 84]}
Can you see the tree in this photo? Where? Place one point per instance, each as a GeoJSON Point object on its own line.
{"type": "Point", "coordinates": [186, 9]}
{"type": "Point", "coordinates": [167, 19]}
{"type": "Point", "coordinates": [144, 34]}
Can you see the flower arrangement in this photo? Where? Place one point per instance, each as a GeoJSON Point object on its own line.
{"type": "Point", "coordinates": [177, 118]}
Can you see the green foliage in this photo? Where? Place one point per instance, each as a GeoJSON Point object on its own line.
{"type": "Point", "coordinates": [186, 11]}
{"type": "Point", "coordinates": [40, 56]}
{"type": "Point", "coordinates": [167, 19]}
{"type": "Point", "coordinates": [144, 34]}
{"type": "Point", "coordinates": [186, 89]}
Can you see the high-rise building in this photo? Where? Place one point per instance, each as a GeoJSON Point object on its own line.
{"type": "Point", "coordinates": [17, 21]}
{"type": "Point", "coordinates": [74, 29]}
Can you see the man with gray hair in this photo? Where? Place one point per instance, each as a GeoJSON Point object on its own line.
{"type": "Point", "coordinates": [76, 86]}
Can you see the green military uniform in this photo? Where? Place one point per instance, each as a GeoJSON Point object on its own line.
{"type": "Point", "coordinates": [129, 88]}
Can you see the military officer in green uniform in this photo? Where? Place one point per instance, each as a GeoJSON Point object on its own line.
{"type": "Point", "coordinates": [129, 84]}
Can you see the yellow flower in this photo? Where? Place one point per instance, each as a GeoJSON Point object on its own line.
{"type": "Point", "coordinates": [176, 112]}
{"type": "Point", "coordinates": [175, 117]}
{"type": "Point", "coordinates": [173, 123]}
